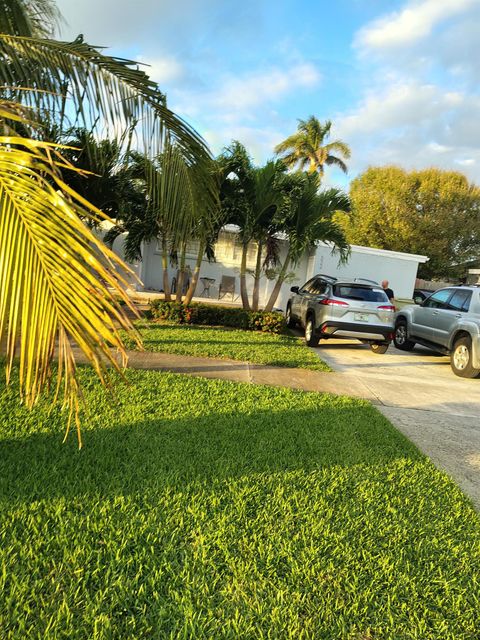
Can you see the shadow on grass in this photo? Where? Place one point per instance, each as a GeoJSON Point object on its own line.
{"type": "Point", "coordinates": [155, 453]}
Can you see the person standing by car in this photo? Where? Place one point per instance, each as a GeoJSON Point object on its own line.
{"type": "Point", "coordinates": [388, 291]}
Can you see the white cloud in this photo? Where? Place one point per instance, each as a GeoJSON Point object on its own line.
{"type": "Point", "coordinates": [467, 162]}
{"type": "Point", "coordinates": [397, 105]}
{"type": "Point", "coordinates": [245, 107]}
{"type": "Point", "coordinates": [163, 70]}
{"type": "Point", "coordinates": [416, 21]}
{"type": "Point", "coordinates": [265, 87]}
{"type": "Point", "coordinates": [259, 141]}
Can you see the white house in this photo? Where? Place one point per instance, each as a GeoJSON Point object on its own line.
{"type": "Point", "coordinates": [400, 269]}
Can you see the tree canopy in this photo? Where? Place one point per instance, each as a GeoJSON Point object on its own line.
{"type": "Point", "coordinates": [431, 212]}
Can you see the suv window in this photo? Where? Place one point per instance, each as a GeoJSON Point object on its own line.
{"type": "Point", "coordinates": [460, 301]}
{"type": "Point", "coordinates": [438, 299]}
{"type": "Point", "coordinates": [307, 286]}
{"type": "Point", "coordinates": [352, 292]}
{"type": "Point", "coordinates": [318, 288]}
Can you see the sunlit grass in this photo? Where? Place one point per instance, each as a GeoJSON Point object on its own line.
{"type": "Point", "coordinates": [234, 344]}
{"type": "Point", "coordinates": [207, 509]}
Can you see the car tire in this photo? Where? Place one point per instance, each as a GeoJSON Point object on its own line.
{"type": "Point", "coordinates": [290, 322]}
{"type": "Point", "coordinates": [379, 347]}
{"type": "Point", "coordinates": [400, 338]}
{"type": "Point", "coordinates": [311, 340]}
{"type": "Point", "coordinates": [461, 359]}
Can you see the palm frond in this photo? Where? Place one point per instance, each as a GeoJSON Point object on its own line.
{"type": "Point", "coordinates": [29, 17]}
{"type": "Point", "coordinates": [338, 162]}
{"type": "Point", "coordinates": [59, 283]}
{"type": "Point", "coordinates": [101, 91]}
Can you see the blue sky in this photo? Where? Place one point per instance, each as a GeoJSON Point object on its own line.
{"type": "Point", "coordinates": [398, 78]}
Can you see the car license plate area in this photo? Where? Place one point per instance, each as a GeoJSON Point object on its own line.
{"type": "Point", "coordinates": [361, 317]}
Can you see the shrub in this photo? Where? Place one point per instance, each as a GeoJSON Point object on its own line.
{"type": "Point", "coordinates": [197, 313]}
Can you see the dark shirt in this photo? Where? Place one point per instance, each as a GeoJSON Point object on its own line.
{"type": "Point", "coordinates": [390, 294]}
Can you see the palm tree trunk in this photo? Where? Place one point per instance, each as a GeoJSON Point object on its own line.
{"type": "Point", "coordinates": [243, 275]}
{"type": "Point", "coordinates": [278, 284]}
{"type": "Point", "coordinates": [166, 283]}
{"type": "Point", "coordinates": [181, 273]}
{"type": "Point", "coordinates": [196, 273]}
{"type": "Point", "coordinates": [256, 280]}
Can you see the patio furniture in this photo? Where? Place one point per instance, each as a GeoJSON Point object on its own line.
{"type": "Point", "coordinates": [207, 283]}
{"type": "Point", "coordinates": [227, 285]}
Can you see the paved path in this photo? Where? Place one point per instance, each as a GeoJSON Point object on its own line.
{"type": "Point", "coordinates": [418, 392]}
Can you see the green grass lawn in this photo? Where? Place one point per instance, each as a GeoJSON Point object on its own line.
{"type": "Point", "coordinates": [234, 344]}
{"type": "Point", "coordinates": [206, 509]}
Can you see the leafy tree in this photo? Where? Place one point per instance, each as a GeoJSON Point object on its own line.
{"type": "Point", "coordinates": [307, 147]}
{"type": "Point", "coordinates": [430, 212]}
{"type": "Point", "coordinates": [308, 219]}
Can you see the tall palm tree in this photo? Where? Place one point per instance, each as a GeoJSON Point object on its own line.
{"type": "Point", "coordinates": [307, 147]}
{"type": "Point", "coordinates": [250, 200]}
{"type": "Point", "coordinates": [60, 285]}
{"type": "Point", "coordinates": [157, 219]}
{"type": "Point", "coordinates": [308, 220]}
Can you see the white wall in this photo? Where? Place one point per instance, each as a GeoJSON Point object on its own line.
{"type": "Point", "coordinates": [133, 279]}
{"type": "Point", "coordinates": [373, 264]}
{"type": "Point", "coordinates": [400, 269]}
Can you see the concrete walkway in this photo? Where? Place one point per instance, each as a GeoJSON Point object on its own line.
{"type": "Point", "coordinates": [439, 413]}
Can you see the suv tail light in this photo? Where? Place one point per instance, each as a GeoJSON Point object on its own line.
{"type": "Point", "coordinates": [334, 303]}
{"type": "Point", "coordinates": [387, 307]}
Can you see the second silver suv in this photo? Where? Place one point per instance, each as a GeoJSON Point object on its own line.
{"type": "Point", "coordinates": [449, 322]}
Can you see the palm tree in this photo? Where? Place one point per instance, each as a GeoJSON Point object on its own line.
{"type": "Point", "coordinates": [158, 218]}
{"type": "Point", "coordinates": [307, 147]}
{"type": "Point", "coordinates": [250, 199]}
{"type": "Point", "coordinates": [61, 285]}
{"type": "Point", "coordinates": [308, 220]}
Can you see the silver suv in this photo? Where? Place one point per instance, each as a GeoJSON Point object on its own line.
{"type": "Point", "coordinates": [332, 308]}
{"type": "Point", "coordinates": [449, 322]}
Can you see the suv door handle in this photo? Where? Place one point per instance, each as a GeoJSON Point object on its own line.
{"type": "Point", "coordinates": [458, 315]}
{"type": "Point", "coordinates": [435, 313]}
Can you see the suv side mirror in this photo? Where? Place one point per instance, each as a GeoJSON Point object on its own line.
{"type": "Point", "coordinates": [294, 289]}
{"type": "Point", "coordinates": [418, 300]}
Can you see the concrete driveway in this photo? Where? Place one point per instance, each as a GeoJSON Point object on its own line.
{"type": "Point", "coordinates": [419, 393]}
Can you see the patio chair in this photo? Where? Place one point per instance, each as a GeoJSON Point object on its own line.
{"type": "Point", "coordinates": [207, 283]}
{"type": "Point", "coordinates": [227, 285]}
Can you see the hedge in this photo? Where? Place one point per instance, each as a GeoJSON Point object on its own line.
{"type": "Point", "coordinates": [197, 313]}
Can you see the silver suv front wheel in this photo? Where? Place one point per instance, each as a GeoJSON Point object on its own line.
{"type": "Point", "coordinates": [461, 359]}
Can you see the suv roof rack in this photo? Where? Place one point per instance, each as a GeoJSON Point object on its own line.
{"type": "Point", "coordinates": [324, 275]}
{"type": "Point", "coordinates": [366, 281]}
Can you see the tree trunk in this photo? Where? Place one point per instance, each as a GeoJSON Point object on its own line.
{"type": "Point", "coordinates": [196, 273]}
{"type": "Point", "coordinates": [256, 280]}
{"type": "Point", "coordinates": [166, 283]}
{"type": "Point", "coordinates": [181, 273]}
{"type": "Point", "coordinates": [243, 275]}
{"type": "Point", "coordinates": [278, 284]}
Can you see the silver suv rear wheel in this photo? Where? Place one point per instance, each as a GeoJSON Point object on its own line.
{"type": "Point", "coordinates": [310, 338]}
{"type": "Point", "coordinates": [290, 322]}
